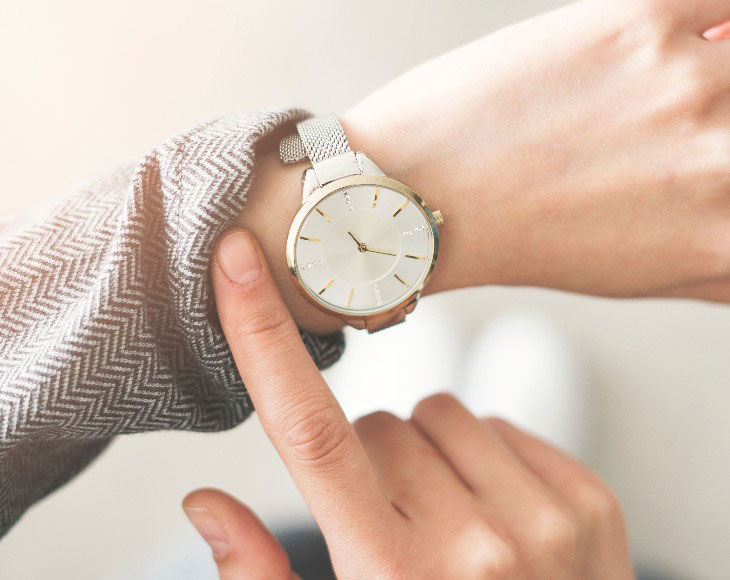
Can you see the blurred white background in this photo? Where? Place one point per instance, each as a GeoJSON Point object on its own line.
{"type": "Point", "coordinates": [87, 85]}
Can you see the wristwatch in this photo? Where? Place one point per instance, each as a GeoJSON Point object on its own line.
{"type": "Point", "coordinates": [362, 246]}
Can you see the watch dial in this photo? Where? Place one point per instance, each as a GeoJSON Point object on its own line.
{"type": "Point", "coordinates": [364, 248]}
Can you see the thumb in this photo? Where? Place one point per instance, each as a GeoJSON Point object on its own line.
{"type": "Point", "coordinates": [242, 546]}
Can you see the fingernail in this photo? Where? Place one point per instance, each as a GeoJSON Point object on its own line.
{"type": "Point", "coordinates": [210, 528]}
{"type": "Point", "coordinates": [238, 258]}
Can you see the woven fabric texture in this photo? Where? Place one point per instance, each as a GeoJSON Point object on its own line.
{"type": "Point", "coordinates": [107, 325]}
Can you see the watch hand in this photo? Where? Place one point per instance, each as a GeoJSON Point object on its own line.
{"type": "Point", "coordinates": [360, 246]}
{"type": "Point", "coordinates": [379, 252]}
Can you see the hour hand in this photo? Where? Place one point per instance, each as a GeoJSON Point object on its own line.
{"type": "Point", "coordinates": [360, 245]}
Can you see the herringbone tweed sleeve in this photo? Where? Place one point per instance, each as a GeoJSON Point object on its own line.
{"type": "Point", "coordinates": [106, 320]}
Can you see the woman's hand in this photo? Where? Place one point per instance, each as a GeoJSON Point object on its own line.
{"type": "Point", "coordinates": [587, 149]}
{"type": "Point", "coordinates": [442, 495]}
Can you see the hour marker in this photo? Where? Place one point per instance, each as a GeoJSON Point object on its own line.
{"type": "Point", "coordinates": [375, 199]}
{"type": "Point", "coordinates": [401, 280]}
{"type": "Point", "coordinates": [378, 295]}
{"type": "Point", "coordinates": [349, 298]}
{"type": "Point", "coordinates": [416, 257]}
{"type": "Point", "coordinates": [314, 264]}
{"type": "Point", "coordinates": [401, 208]}
{"type": "Point", "coordinates": [324, 215]}
{"type": "Point", "coordinates": [414, 231]}
{"type": "Point", "coordinates": [326, 285]}
{"type": "Point", "coordinates": [309, 239]}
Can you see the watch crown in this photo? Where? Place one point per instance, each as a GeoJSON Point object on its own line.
{"type": "Point", "coordinates": [438, 217]}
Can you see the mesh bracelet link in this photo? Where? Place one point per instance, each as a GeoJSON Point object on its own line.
{"type": "Point", "coordinates": [316, 139]}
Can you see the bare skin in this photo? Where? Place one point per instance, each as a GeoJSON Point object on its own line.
{"type": "Point", "coordinates": [443, 495]}
{"type": "Point", "coordinates": [587, 149]}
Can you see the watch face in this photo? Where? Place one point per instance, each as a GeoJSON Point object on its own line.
{"type": "Point", "coordinates": [363, 248]}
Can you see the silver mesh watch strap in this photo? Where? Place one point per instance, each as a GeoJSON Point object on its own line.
{"type": "Point", "coordinates": [316, 139]}
{"type": "Point", "coordinates": [324, 143]}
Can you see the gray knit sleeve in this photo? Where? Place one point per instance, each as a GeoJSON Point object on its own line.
{"type": "Point", "coordinates": [106, 320]}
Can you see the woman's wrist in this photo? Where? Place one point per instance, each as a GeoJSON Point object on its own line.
{"type": "Point", "coordinates": [479, 238]}
{"type": "Point", "coordinates": [476, 236]}
{"type": "Point", "coordinates": [479, 241]}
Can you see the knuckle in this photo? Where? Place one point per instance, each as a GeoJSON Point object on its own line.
{"type": "Point", "coordinates": [474, 551]}
{"type": "Point", "coordinates": [599, 505]}
{"type": "Point", "coordinates": [499, 423]}
{"type": "Point", "coordinates": [316, 434]}
{"type": "Point", "coordinates": [435, 404]}
{"type": "Point", "coordinates": [376, 422]}
{"type": "Point", "coordinates": [556, 534]}
{"type": "Point", "coordinates": [500, 561]}
{"type": "Point", "coordinates": [481, 552]}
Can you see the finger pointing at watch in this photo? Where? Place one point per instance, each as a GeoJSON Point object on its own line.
{"type": "Point", "coordinates": [296, 408]}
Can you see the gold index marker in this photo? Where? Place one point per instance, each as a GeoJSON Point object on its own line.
{"type": "Point", "coordinates": [401, 280]}
{"type": "Point", "coordinates": [349, 298]}
{"type": "Point", "coordinates": [400, 209]}
{"type": "Point", "coordinates": [416, 257]}
{"type": "Point", "coordinates": [326, 286]}
{"type": "Point", "coordinates": [375, 199]}
{"type": "Point", "coordinates": [309, 239]}
{"type": "Point", "coordinates": [324, 215]}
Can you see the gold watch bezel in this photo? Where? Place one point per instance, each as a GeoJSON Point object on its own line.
{"type": "Point", "coordinates": [318, 195]}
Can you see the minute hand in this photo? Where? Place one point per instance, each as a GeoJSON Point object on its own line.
{"type": "Point", "coordinates": [379, 252]}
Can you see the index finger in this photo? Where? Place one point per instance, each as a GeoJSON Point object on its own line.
{"type": "Point", "coordinates": [296, 407]}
